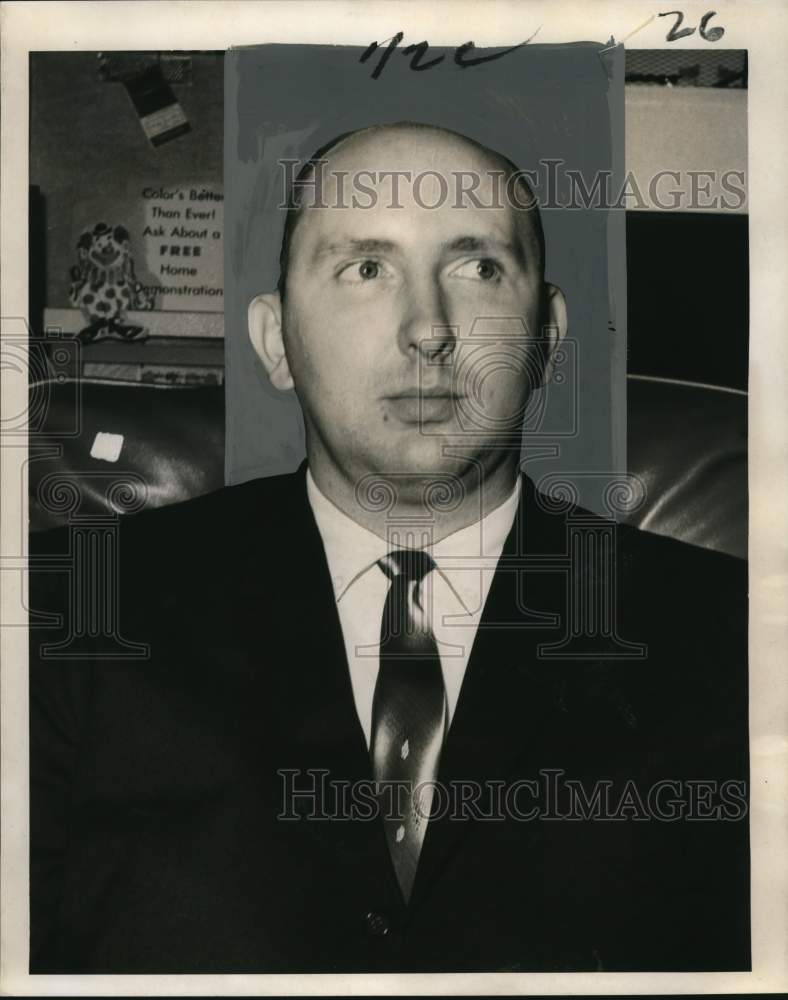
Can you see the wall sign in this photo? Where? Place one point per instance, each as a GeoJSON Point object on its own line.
{"type": "Point", "coordinates": [175, 232]}
{"type": "Point", "coordinates": [181, 243]}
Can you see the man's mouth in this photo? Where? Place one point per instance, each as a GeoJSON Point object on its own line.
{"type": "Point", "coordinates": [423, 405]}
{"type": "Point", "coordinates": [420, 392]}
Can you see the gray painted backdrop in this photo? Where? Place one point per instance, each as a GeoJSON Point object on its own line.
{"type": "Point", "coordinates": [540, 102]}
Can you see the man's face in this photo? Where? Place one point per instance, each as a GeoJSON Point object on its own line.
{"type": "Point", "coordinates": [410, 328]}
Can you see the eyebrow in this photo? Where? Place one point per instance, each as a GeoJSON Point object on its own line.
{"type": "Point", "coordinates": [462, 244]}
{"type": "Point", "coordinates": [471, 244]}
{"type": "Point", "coordinates": [356, 246]}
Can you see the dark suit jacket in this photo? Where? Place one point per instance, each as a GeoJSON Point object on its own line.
{"type": "Point", "coordinates": [155, 795]}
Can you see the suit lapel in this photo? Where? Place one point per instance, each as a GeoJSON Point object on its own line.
{"type": "Point", "coordinates": [505, 703]}
{"type": "Point", "coordinates": [509, 721]}
{"type": "Point", "coordinates": [318, 732]}
{"type": "Point", "coordinates": [501, 715]}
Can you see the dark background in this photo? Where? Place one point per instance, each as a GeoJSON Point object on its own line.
{"type": "Point", "coordinates": [687, 294]}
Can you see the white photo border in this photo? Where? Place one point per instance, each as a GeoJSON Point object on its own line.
{"type": "Point", "coordinates": [761, 28]}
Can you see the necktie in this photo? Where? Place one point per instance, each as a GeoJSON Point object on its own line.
{"type": "Point", "coordinates": [409, 712]}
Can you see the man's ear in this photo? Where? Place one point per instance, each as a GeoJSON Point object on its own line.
{"type": "Point", "coordinates": [554, 327]}
{"type": "Point", "coordinates": [265, 332]}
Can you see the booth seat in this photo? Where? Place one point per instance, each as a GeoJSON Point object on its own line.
{"type": "Point", "coordinates": [687, 444]}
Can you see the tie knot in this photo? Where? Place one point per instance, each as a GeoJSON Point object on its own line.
{"type": "Point", "coordinates": [412, 564]}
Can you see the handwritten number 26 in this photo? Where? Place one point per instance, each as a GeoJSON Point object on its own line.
{"type": "Point", "coordinates": [710, 34]}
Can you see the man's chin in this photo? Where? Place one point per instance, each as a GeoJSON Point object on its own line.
{"type": "Point", "coordinates": [421, 461]}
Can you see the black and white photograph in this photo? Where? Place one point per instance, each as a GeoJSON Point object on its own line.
{"type": "Point", "coordinates": [392, 585]}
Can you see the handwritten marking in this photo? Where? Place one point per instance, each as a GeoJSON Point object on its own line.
{"type": "Point", "coordinates": [418, 51]}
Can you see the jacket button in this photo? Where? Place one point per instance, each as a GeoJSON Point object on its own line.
{"type": "Point", "coordinates": [377, 923]}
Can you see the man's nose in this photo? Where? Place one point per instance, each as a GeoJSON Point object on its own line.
{"type": "Point", "coordinates": [425, 327]}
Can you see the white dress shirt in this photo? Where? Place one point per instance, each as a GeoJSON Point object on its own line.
{"type": "Point", "coordinates": [453, 594]}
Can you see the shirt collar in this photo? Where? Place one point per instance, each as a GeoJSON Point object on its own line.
{"type": "Point", "coordinates": [462, 556]}
{"type": "Point", "coordinates": [352, 550]}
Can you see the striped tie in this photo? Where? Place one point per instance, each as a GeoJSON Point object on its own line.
{"type": "Point", "coordinates": [409, 711]}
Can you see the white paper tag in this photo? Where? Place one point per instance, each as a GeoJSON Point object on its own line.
{"type": "Point", "coordinates": [107, 447]}
{"type": "Point", "coordinates": [157, 123]}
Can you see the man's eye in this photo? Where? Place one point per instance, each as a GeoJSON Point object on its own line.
{"type": "Point", "coordinates": [479, 270]}
{"type": "Point", "coordinates": [360, 271]}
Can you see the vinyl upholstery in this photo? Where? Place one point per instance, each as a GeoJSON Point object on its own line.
{"type": "Point", "coordinates": [686, 444]}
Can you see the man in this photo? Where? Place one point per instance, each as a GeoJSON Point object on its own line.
{"type": "Point", "coordinates": [400, 713]}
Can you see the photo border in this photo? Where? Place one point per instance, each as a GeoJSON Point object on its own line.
{"type": "Point", "coordinates": [758, 27]}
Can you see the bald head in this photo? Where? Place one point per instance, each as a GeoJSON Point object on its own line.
{"type": "Point", "coordinates": [432, 165]}
{"type": "Point", "coordinates": [416, 310]}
